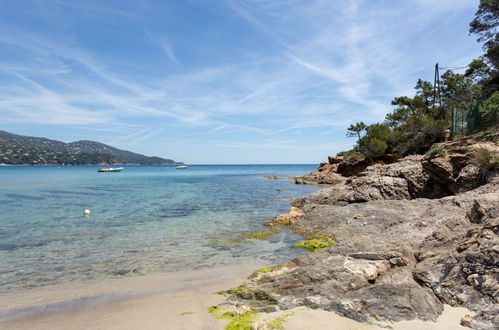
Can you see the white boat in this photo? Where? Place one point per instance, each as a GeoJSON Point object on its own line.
{"type": "Point", "coordinates": [181, 166]}
{"type": "Point", "coordinates": [110, 169]}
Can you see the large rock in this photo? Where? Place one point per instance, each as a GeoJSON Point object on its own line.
{"type": "Point", "coordinates": [409, 237]}
{"type": "Point", "coordinates": [393, 259]}
{"type": "Point", "coordinates": [465, 271]}
{"type": "Point", "coordinates": [460, 168]}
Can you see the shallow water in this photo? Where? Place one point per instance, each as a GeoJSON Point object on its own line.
{"type": "Point", "coordinates": [146, 219]}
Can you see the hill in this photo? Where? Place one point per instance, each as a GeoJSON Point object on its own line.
{"type": "Point", "coordinates": [19, 149]}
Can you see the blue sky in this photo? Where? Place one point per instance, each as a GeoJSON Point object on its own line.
{"type": "Point", "coordinates": [219, 81]}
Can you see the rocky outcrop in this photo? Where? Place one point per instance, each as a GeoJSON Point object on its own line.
{"type": "Point", "coordinates": [393, 260]}
{"type": "Point", "coordinates": [460, 168]}
{"type": "Point", "coordinates": [325, 174]}
{"type": "Point", "coordinates": [448, 171]}
{"type": "Point", "coordinates": [397, 255]}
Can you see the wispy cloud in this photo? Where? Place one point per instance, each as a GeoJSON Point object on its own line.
{"type": "Point", "coordinates": [247, 70]}
{"type": "Point", "coordinates": [162, 44]}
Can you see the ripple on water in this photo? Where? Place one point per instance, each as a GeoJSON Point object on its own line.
{"type": "Point", "coordinates": [147, 219]}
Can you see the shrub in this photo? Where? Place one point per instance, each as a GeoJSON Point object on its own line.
{"type": "Point", "coordinates": [483, 159]}
{"type": "Point", "coordinates": [417, 135]}
{"type": "Point", "coordinates": [376, 148]}
{"type": "Point", "coordinates": [434, 153]}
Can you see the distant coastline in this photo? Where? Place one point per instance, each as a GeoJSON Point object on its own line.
{"type": "Point", "coordinates": [27, 150]}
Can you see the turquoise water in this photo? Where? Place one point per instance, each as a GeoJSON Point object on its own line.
{"type": "Point", "coordinates": [143, 220]}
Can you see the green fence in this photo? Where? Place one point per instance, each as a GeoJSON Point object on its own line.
{"type": "Point", "coordinates": [464, 122]}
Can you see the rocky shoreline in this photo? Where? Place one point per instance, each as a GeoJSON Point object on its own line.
{"type": "Point", "coordinates": [409, 236]}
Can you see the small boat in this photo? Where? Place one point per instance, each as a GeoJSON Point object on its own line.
{"type": "Point", "coordinates": [181, 166]}
{"type": "Point", "coordinates": [110, 169]}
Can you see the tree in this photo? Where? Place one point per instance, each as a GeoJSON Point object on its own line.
{"type": "Point", "coordinates": [374, 142]}
{"type": "Point", "coordinates": [458, 91]}
{"type": "Point", "coordinates": [486, 22]}
{"type": "Point", "coordinates": [489, 111]}
{"type": "Point", "coordinates": [355, 130]}
{"type": "Point", "coordinates": [477, 70]}
{"type": "Point", "coordinates": [485, 25]}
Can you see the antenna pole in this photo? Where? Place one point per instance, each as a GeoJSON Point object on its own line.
{"type": "Point", "coordinates": [436, 88]}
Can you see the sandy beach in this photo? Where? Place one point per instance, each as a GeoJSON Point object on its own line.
{"type": "Point", "coordinates": [165, 301]}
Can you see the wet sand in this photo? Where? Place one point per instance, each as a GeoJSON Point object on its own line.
{"type": "Point", "coordinates": [166, 301]}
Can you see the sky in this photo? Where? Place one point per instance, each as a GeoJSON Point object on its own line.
{"type": "Point", "coordinates": [220, 81]}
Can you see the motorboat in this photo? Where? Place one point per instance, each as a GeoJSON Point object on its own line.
{"type": "Point", "coordinates": [110, 169]}
{"type": "Point", "coordinates": [181, 166]}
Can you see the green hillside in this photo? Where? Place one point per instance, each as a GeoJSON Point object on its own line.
{"type": "Point", "coordinates": [19, 149]}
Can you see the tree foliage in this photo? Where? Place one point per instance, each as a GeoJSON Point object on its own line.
{"type": "Point", "coordinates": [484, 26]}
{"type": "Point", "coordinates": [485, 23]}
{"type": "Point", "coordinates": [356, 130]}
{"type": "Point", "coordinates": [489, 111]}
{"type": "Point", "coordinates": [419, 121]}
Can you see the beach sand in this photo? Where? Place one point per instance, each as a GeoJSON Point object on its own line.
{"type": "Point", "coordinates": [166, 301]}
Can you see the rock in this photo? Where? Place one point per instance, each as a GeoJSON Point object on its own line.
{"type": "Point", "coordinates": [260, 326]}
{"type": "Point", "coordinates": [466, 321]}
{"type": "Point", "coordinates": [274, 177]}
{"type": "Point", "coordinates": [460, 168]}
{"type": "Point", "coordinates": [409, 237]}
{"type": "Point", "coordinates": [289, 218]}
{"type": "Point", "coordinates": [353, 167]}
{"type": "Point", "coordinates": [325, 174]}
{"type": "Point", "coordinates": [335, 159]}
{"type": "Point", "coordinates": [242, 310]}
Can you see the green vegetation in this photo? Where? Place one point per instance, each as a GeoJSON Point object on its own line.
{"type": "Point", "coordinates": [237, 322]}
{"type": "Point", "coordinates": [261, 234]}
{"type": "Point", "coordinates": [244, 321]}
{"type": "Point", "coordinates": [489, 110]}
{"type": "Point", "coordinates": [240, 290]}
{"type": "Point", "coordinates": [186, 313]}
{"type": "Point", "coordinates": [417, 122]}
{"type": "Point", "coordinates": [241, 322]}
{"type": "Point", "coordinates": [213, 309]}
{"type": "Point", "coordinates": [278, 323]}
{"type": "Point", "coordinates": [266, 269]}
{"type": "Point", "coordinates": [435, 152]}
{"type": "Point", "coordinates": [315, 244]}
{"type": "Point", "coordinates": [18, 149]}
{"type": "Point", "coordinates": [494, 163]}
{"type": "Point", "coordinates": [371, 324]}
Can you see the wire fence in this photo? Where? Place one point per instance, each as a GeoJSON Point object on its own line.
{"type": "Point", "coordinates": [464, 122]}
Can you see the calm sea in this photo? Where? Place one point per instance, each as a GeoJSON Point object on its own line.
{"type": "Point", "coordinates": [143, 220]}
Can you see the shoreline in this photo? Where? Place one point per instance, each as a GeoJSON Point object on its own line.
{"type": "Point", "coordinates": [180, 299]}
{"type": "Point", "coordinates": [177, 300]}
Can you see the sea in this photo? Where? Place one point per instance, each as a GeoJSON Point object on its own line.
{"type": "Point", "coordinates": [143, 220]}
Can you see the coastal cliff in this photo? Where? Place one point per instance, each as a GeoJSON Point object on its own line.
{"type": "Point", "coordinates": [409, 236]}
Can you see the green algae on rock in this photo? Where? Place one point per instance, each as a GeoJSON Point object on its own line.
{"type": "Point", "coordinates": [315, 244]}
{"type": "Point", "coordinates": [266, 269]}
